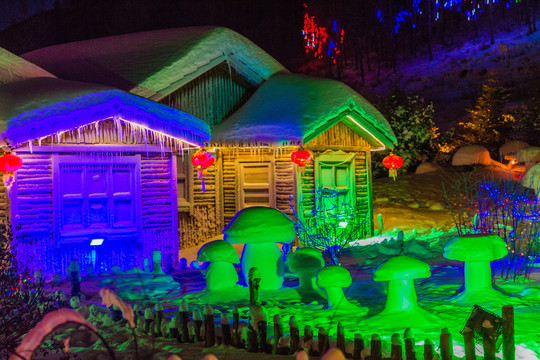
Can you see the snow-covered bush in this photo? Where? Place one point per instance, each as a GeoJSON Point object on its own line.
{"type": "Point", "coordinates": [498, 205]}
{"type": "Point", "coordinates": [22, 301]}
{"type": "Point", "coordinates": [329, 225]}
{"type": "Point", "coordinates": [412, 122]}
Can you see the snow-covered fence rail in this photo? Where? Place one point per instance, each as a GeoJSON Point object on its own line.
{"type": "Point", "coordinates": [253, 337]}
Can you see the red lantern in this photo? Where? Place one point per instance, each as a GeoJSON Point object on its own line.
{"type": "Point", "coordinates": [301, 157]}
{"type": "Point", "coordinates": [9, 163]}
{"type": "Point", "coordinates": [392, 162]}
{"type": "Point", "coordinates": [202, 160]}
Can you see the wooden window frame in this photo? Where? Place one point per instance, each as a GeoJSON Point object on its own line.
{"type": "Point", "coordinates": [240, 204]}
{"type": "Point", "coordinates": [62, 158]}
{"type": "Point", "coordinates": [187, 203]}
{"type": "Point", "coordinates": [337, 157]}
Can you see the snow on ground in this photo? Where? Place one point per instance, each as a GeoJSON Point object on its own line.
{"type": "Point", "coordinates": [414, 204]}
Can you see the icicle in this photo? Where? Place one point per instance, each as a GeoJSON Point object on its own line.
{"type": "Point", "coordinates": [39, 141]}
{"type": "Point", "coordinates": [30, 147]}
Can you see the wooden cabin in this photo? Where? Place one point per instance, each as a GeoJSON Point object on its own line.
{"type": "Point", "coordinates": [98, 181]}
{"type": "Point", "coordinates": [257, 111]}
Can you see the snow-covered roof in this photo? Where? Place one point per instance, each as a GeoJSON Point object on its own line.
{"type": "Point", "coordinates": [39, 107]}
{"type": "Point", "coordinates": [294, 109]}
{"type": "Point", "coordinates": [155, 63]}
{"type": "Point", "coordinates": [14, 68]}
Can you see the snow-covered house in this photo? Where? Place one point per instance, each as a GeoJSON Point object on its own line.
{"type": "Point", "coordinates": [98, 181]}
{"type": "Point", "coordinates": [257, 111]}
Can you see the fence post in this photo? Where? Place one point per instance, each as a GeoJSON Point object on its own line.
{"type": "Point", "coordinates": [409, 344]}
{"type": "Point", "coordinates": [236, 323]}
{"type": "Point", "coordinates": [376, 353]}
{"type": "Point", "coordinates": [323, 342]}
{"type": "Point", "coordinates": [278, 334]}
{"type": "Point", "coordinates": [209, 326]}
{"type": "Point", "coordinates": [262, 331]}
{"type": "Point", "coordinates": [468, 339]}
{"type": "Point", "coordinates": [340, 338]}
{"type": "Point", "coordinates": [396, 347]}
{"type": "Point", "coordinates": [447, 351]}
{"type": "Point", "coordinates": [225, 329]}
{"type": "Point", "coordinates": [174, 325]}
{"type": "Point", "coordinates": [308, 339]}
{"type": "Point", "coordinates": [197, 325]}
{"type": "Point", "coordinates": [428, 349]}
{"type": "Point", "coordinates": [252, 339]}
{"type": "Point", "coordinates": [509, 349]}
{"type": "Point", "coordinates": [358, 347]}
{"type": "Point", "coordinates": [158, 307]}
{"type": "Point", "coordinates": [488, 332]}
{"type": "Point", "coordinates": [184, 321]}
{"type": "Point", "coordinates": [295, 335]}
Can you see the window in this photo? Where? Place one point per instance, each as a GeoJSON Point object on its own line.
{"type": "Point", "coordinates": [96, 196]}
{"type": "Point", "coordinates": [335, 172]}
{"type": "Point", "coordinates": [256, 184]}
{"type": "Point", "coordinates": [182, 181]}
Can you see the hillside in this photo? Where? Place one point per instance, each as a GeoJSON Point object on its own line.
{"type": "Point", "coordinates": [453, 79]}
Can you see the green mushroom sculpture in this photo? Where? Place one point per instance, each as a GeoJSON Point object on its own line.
{"type": "Point", "coordinates": [333, 279]}
{"type": "Point", "coordinates": [400, 272]}
{"type": "Point", "coordinates": [401, 308]}
{"type": "Point", "coordinates": [306, 262]}
{"type": "Point", "coordinates": [260, 228]}
{"type": "Point", "coordinates": [221, 273]}
{"type": "Point", "coordinates": [477, 251]}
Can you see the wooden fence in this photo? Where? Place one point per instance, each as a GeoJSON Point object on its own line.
{"type": "Point", "coordinates": [202, 329]}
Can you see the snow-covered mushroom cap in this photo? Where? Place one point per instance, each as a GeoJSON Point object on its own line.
{"type": "Point", "coordinates": [259, 224]}
{"type": "Point", "coordinates": [305, 259]}
{"type": "Point", "coordinates": [471, 155]}
{"type": "Point", "coordinates": [334, 276]}
{"type": "Point", "coordinates": [401, 267]}
{"type": "Point", "coordinates": [475, 248]}
{"type": "Point", "coordinates": [218, 250]}
{"type": "Point", "coordinates": [512, 147]}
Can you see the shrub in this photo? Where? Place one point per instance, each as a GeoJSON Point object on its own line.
{"type": "Point", "coordinates": [412, 122]}
{"type": "Point", "coordinates": [22, 302]}
{"type": "Point", "coordinates": [501, 206]}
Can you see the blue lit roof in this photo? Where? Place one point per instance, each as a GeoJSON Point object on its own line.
{"type": "Point", "coordinates": [40, 107]}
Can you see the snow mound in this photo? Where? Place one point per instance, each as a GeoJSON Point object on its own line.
{"type": "Point", "coordinates": [529, 155]}
{"type": "Point", "coordinates": [471, 155]}
{"type": "Point", "coordinates": [426, 167]}
{"type": "Point", "coordinates": [531, 179]}
{"type": "Point", "coordinates": [512, 147]}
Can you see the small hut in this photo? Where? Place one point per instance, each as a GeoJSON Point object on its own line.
{"type": "Point", "coordinates": [98, 181]}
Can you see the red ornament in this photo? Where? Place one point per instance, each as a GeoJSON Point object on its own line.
{"type": "Point", "coordinates": [10, 163]}
{"type": "Point", "coordinates": [392, 162]}
{"type": "Point", "coordinates": [301, 157]}
{"type": "Point", "coordinates": [203, 160]}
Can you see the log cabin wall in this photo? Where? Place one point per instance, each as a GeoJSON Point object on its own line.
{"type": "Point", "coordinates": [212, 210]}
{"type": "Point", "coordinates": [33, 209]}
{"type": "Point", "coordinates": [213, 95]}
